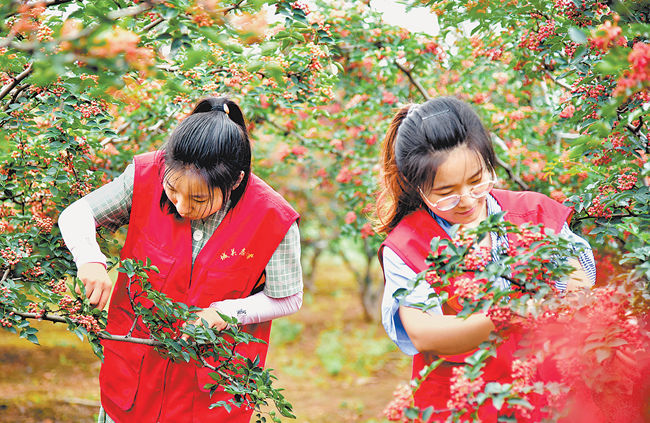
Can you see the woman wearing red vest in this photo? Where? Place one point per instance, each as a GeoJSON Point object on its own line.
{"type": "Point", "coordinates": [214, 230]}
{"type": "Point", "coordinates": [438, 164]}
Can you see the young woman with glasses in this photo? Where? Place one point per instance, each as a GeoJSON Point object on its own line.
{"type": "Point", "coordinates": [216, 232]}
{"type": "Point", "coordinates": [438, 171]}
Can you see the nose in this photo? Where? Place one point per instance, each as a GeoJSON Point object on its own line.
{"type": "Point", "coordinates": [182, 206]}
{"type": "Point", "coordinates": [466, 200]}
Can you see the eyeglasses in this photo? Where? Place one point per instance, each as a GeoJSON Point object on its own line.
{"type": "Point", "coordinates": [448, 203]}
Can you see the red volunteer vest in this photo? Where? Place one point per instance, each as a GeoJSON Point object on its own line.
{"type": "Point", "coordinates": [411, 241]}
{"type": "Point", "coordinates": [137, 384]}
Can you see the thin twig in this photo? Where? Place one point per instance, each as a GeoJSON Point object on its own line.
{"type": "Point", "coordinates": [414, 81]}
{"type": "Point", "coordinates": [114, 15]}
{"type": "Point", "coordinates": [226, 10]}
{"type": "Point", "coordinates": [130, 11]}
{"type": "Point", "coordinates": [121, 128]}
{"type": "Point", "coordinates": [47, 3]}
{"type": "Point", "coordinates": [635, 129]}
{"type": "Point", "coordinates": [286, 131]}
{"type": "Point", "coordinates": [155, 127]}
{"type": "Point", "coordinates": [6, 274]}
{"type": "Point", "coordinates": [6, 90]}
{"type": "Point", "coordinates": [512, 175]}
{"type": "Point", "coordinates": [558, 82]}
{"type": "Point", "coordinates": [26, 46]}
{"type": "Point", "coordinates": [621, 215]}
{"type": "Point", "coordinates": [55, 318]}
{"type": "Point", "coordinates": [152, 24]}
{"type": "Point", "coordinates": [14, 96]}
{"type": "Point", "coordinates": [206, 364]}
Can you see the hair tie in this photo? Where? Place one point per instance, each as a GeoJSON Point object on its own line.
{"type": "Point", "coordinates": [411, 110]}
{"type": "Point", "coordinates": [221, 108]}
{"type": "Point", "coordinates": [436, 114]}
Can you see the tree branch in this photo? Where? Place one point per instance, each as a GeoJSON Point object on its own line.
{"type": "Point", "coordinates": [558, 82]}
{"type": "Point", "coordinates": [112, 16]}
{"type": "Point", "coordinates": [512, 175]}
{"type": "Point", "coordinates": [7, 89]}
{"type": "Point", "coordinates": [15, 95]}
{"type": "Point", "coordinates": [226, 10]}
{"type": "Point", "coordinates": [621, 215]}
{"type": "Point", "coordinates": [414, 82]}
{"type": "Point", "coordinates": [148, 27]}
{"type": "Point", "coordinates": [46, 3]}
{"type": "Point", "coordinates": [286, 131]}
{"type": "Point", "coordinates": [55, 318]}
{"type": "Point", "coordinates": [29, 47]}
{"type": "Point", "coordinates": [130, 11]}
{"type": "Point", "coordinates": [155, 127]}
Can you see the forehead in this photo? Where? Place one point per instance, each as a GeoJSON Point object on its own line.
{"type": "Point", "coordinates": [461, 164]}
{"type": "Point", "coordinates": [187, 181]}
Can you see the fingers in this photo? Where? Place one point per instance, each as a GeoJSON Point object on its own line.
{"type": "Point", "coordinates": [97, 283]}
{"type": "Point", "coordinates": [98, 291]}
{"type": "Point", "coordinates": [196, 322]}
{"type": "Point", "coordinates": [210, 316]}
{"type": "Point", "coordinates": [103, 300]}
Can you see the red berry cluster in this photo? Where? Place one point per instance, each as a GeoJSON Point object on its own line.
{"type": "Point", "coordinates": [501, 317]}
{"type": "Point", "coordinates": [301, 6]}
{"type": "Point", "coordinates": [5, 291]}
{"type": "Point", "coordinates": [433, 278]}
{"type": "Point", "coordinates": [523, 376]}
{"type": "Point", "coordinates": [366, 230]}
{"type": "Point", "coordinates": [477, 258]}
{"type": "Point", "coordinates": [461, 240]}
{"type": "Point", "coordinates": [44, 223]}
{"type": "Point", "coordinates": [627, 181]}
{"type": "Point", "coordinates": [34, 272]}
{"type": "Point", "coordinates": [36, 309]}
{"type": "Point", "coordinates": [403, 398]}
{"type": "Point", "coordinates": [534, 40]}
{"type": "Point", "coordinates": [69, 305]}
{"type": "Point", "coordinates": [58, 287]}
{"type": "Point", "coordinates": [462, 388]}
{"type": "Point", "coordinates": [467, 287]}
{"type": "Point", "coordinates": [12, 255]}
{"type": "Point", "coordinates": [89, 323]}
{"type": "Point", "coordinates": [527, 237]}
{"type": "Point", "coordinates": [72, 308]}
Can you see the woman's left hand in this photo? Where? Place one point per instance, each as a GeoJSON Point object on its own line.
{"type": "Point", "coordinates": [211, 316]}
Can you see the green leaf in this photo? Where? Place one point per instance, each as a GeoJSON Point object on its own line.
{"type": "Point", "coordinates": [577, 35]}
{"type": "Point", "coordinates": [497, 401]}
{"type": "Point", "coordinates": [603, 354]}
{"type": "Point", "coordinates": [411, 413]}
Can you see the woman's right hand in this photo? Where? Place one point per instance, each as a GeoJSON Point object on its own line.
{"type": "Point", "coordinates": [97, 283]}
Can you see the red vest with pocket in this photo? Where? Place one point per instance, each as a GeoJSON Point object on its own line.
{"type": "Point", "coordinates": [137, 384]}
{"type": "Point", "coordinates": [411, 241]}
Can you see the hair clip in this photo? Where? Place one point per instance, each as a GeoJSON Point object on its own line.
{"type": "Point", "coordinates": [436, 114]}
{"type": "Point", "coordinates": [221, 108]}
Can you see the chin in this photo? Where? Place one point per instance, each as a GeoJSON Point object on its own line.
{"type": "Point", "coordinates": [467, 219]}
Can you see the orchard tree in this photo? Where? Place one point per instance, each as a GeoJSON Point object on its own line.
{"type": "Point", "coordinates": [84, 87]}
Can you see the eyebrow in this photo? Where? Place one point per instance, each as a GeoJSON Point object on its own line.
{"type": "Point", "coordinates": [194, 196]}
{"type": "Point", "coordinates": [474, 176]}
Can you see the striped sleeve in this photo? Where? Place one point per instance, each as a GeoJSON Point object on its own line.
{"type": "Point", "coordinates": [111, 203]}
{"type": "Point", "coordinates": [586, 256]}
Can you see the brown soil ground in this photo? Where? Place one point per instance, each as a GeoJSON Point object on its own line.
{"type": "Point", "coordinates": [333, 365]}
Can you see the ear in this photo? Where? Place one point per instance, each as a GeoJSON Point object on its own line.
{"type": "Point", "coordinates": [241, 178]}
